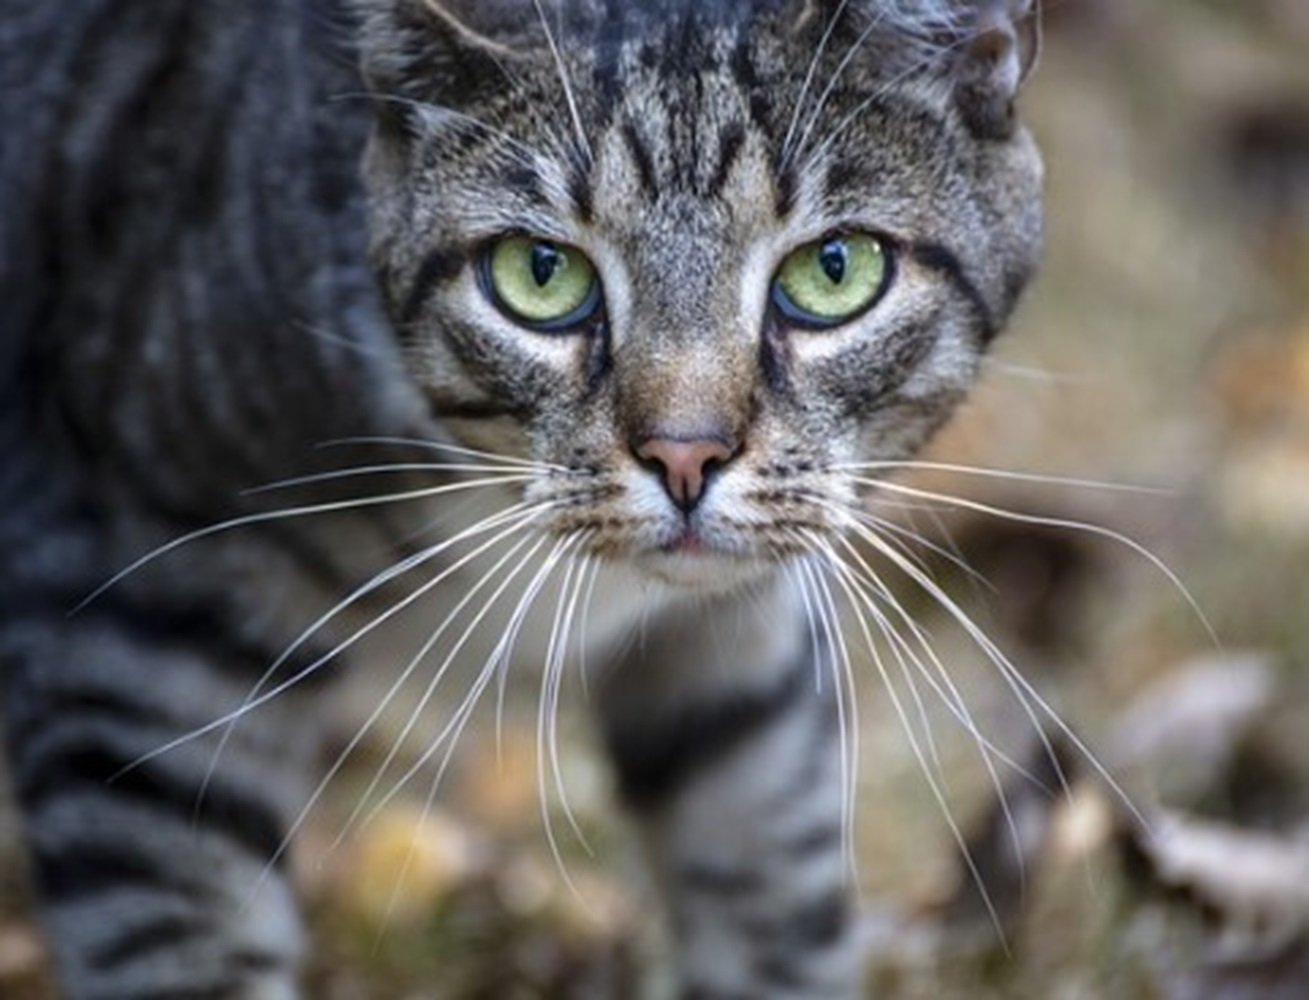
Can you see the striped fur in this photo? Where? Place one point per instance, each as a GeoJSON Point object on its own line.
{"type": "Point", "coordinates": [200, 294]}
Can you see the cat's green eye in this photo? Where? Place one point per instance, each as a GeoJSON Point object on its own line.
{"type": "Point", "coordinates": [832, 280]}
{"type": "Point", "coordinates": [541, 284]}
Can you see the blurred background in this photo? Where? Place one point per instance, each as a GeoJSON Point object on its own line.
{"type": "Point", "coordinates": [1160, 371]}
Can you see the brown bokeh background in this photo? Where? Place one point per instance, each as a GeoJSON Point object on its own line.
{"type": "Point", "coordinates": [1164, 352]}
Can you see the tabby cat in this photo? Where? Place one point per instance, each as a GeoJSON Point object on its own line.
{"type": "Point", "coordinates": [408, 311]}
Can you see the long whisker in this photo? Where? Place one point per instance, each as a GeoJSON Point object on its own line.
{"type": "Point", "coordinates": [342, 341]}
{"type": "Point", "coordinates": [264, 517]}
{"type": "Point", "coordinates": [525, 153]}
{"type": "Point", "coordinates": [345, 754]}
{"type": "Point", "coordinates": [506, 474]}
{"type": "Point", "coordinates": [953, 701]}
{"type": "Point", "coordinates": [814, 62]}
{"type": "Point", "coordinates": [916, 749]}
{"type": "Point", "coordinates": [1054, 522]}
{"type": "Point", "coordinates": [847, 711]}
{"type": "Point", "coordinates": [364, 728]}
{"type": "Point", "coordinates": [428, 444]}
{"type": "Point", "coordinates": [1007, 475]}
{"type": "Point", "coordinates": [835, 78]}
{"type": "Point", "coordinates": [1026, 695]}
{"type": "Point", "coordinates": [520, 514]}
{"type": "Point", "coordinates": [797, 570]}
{"type": "Point", "coordinates": [583, 144]}
{"type": "Point", "coordinates": [256, 699]}
{"type": "Point", "coordinates": [547, 743]}
{"type": "Point", "coordinates": [900, 650]}
{"type": "Point", "coordinates": [584, 628]}
{"type": "Point", "coordinates": [938, 678]}
{"type": "Point", "coordinates": [853, 115]}
{"type": "Point", "coordinates": [505, 647]}
{"type": "Point", "coordinates": [458, 723]}
{"type": "Point", "coordinates": [907, 537]}
{"type": "Point", "coordinates": [434, 683]}
{"type": "Point", "coordinates": [449, 735]}
{"type": "Point", "coordinates": [1010, 673]}
{"type": "Point", "coordinates": [907, 540]}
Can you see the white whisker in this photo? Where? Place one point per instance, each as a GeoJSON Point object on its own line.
{"type": "Point", "coordinates": [258, 698]}
{"type": "Point", "coordinates": [916, 749]}
{"type": "Point", "coordinates": [547, 742]}
{"type": "Point", "coordinates": [459, 718]}
{"type": "Point", "coordinates": [940, 682]}
{"type": "Point", "coordinates": [575, 114]}
{"type": "Point", "coordinates": [453, 730]}
{"type": "Point", "coordinates": [1055, 522]}
{"type": "Point", "coordinates": [897, 465]}
{"type": "Point", "coordinates": [264, 517]}
{"type": "Point", "coordinates": [938, 678]}
{"type": "Point", "coordinates": [833, 21]}
{"type": "Point", "coordinates": [584, 628]}
{"type": "Point", "coordinates": [906, 538]}
{"type": "Point", "coordinates": [853, 115]}
{"type": "Point", "coordinates": [900, 650]}
{"type": "Point", "coordinates": [362, 730]}
{"type": "Point", "coordinates": [449, 735]}
{"type": "Point", "coordinates": [345, 342]}
{"type": "Point", "coordinates": [1024, 692]}
{"type": "Point", "coordinates": [427, 444]}
{"type": "Point", "coordinates": [523, 152]}
{"type": "Point", "coordinates": [847, 715]}
{"type": "Point", "coordinates": [877, 20]}
{"type": "Point", "coordinates": [505, 475]}
{"type": "Point", "coordinates": [1008, 671]}
{"type": "Point", "coordinates": [799, 571]}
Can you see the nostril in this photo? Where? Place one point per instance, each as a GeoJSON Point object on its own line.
{"type": "Point", "coordinates": [684, 465]}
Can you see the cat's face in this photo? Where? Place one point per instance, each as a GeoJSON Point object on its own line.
{"type": "Point", "coordinates": [698, 265]}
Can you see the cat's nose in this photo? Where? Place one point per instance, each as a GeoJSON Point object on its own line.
{"type": "Point", "coordinates": [684, 465]}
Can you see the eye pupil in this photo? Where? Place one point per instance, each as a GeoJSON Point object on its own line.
{"type": "Point", "coordinates": [832, 258]}
{"type": "Point", "coordinates": [546, 260]}
{"type": "Point", "coordinates": [831, 281]}
{"type": "Point", "coordinates": [540, 284]}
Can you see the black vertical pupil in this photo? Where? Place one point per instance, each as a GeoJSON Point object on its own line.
{"type": "Point", "coordinates": [546, 260]}
{"type": "Point", "coordinates": [832, 259]}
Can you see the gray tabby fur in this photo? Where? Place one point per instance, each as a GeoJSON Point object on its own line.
{"type": "Point", "coordinates": [188, 312]}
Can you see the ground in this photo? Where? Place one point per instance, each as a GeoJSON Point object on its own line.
{"type": "Point", "coordinates": [1164, 348]}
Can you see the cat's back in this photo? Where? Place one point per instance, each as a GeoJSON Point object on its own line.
{"type": "Point", "coordinates": [182, 252]}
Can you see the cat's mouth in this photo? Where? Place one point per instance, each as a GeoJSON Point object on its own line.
{"type": "Point", "coordinates": [689, 542]}
{"type": "Point", "coordinates": [693, 560]}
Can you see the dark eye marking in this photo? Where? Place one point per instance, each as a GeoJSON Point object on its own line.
{"type": "Point", "coordinates": [940, 259]}
{"type": "Point", "coordinates": [440, 265]}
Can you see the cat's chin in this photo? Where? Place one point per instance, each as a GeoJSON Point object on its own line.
{"type": "Point", "coordinates": [703, 571]}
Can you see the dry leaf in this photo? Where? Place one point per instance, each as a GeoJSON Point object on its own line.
{"type": "Point", "coordinates": [407, 862]}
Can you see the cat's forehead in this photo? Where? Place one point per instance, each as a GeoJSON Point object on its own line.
{"type": "Point", "coordinates": [617, 19]}
{"type": "Point", "coordinates": [764, 44]}
{"type": "Point", "coordinates": [610, 19]}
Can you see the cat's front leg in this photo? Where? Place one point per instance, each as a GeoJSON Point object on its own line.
{"type": "Point", "coordinates": [721, 719]}
{"type": "Point", "coordinates": [160, 876]}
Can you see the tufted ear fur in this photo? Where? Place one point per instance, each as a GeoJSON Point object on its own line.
{"type": "Point", "coordinates": [999, 50]}
{"type": "Point", "coordinates": [985, 48]}
{"type": "Point", "coordinates": [439, 52]}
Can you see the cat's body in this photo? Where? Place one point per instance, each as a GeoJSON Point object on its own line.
{"type": "Point", "coordinates": [188, 313]}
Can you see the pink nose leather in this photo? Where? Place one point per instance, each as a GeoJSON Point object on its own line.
{"type": "Point", "coordinates": [684, 465]}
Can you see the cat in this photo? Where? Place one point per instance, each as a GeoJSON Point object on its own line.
{"type": "Point", "coordinates": [310, 309]}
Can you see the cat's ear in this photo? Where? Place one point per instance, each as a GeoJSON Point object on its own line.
{"type": "Point", "coordinates": [996, 53]}
{"type": "Point", "coordinates": [436, 52]}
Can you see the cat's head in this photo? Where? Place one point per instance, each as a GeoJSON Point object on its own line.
{"type": "Point", "coordinates": [699, 258]}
